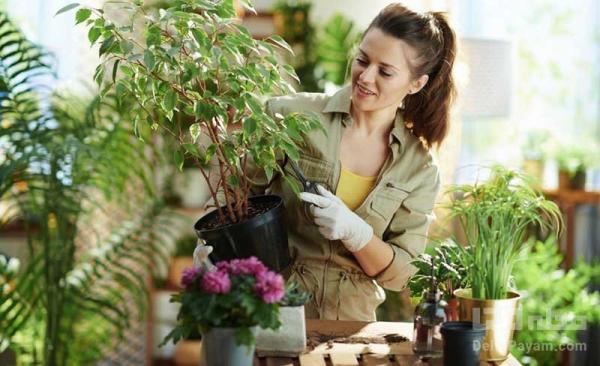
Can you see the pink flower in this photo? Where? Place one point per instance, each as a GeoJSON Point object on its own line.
{"type": "Point", "coordinates": [216, 282]}
{"type": "Point", "coordinates": [188, 276]}
{"type": "Point", "coordinates": [250, 265]}
{"type": "Point", "coordinates": [269, 285]}
{"type": "Point", "coordinates": [223, 266]}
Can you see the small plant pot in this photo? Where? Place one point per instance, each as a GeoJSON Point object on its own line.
{"type": "Point", "coordinates": [287, 341]}
{"type": "Point", "coordinates": [462, 343]}
{"type": "Point", "coordinates": [178, 264]}
{"type": "Point", "coordinates": [568, 182]}
{"type": "Point", "coordinates": [498, 316]}
{"type": "Point", "coordinates": [535, 169]}
{"type": "Point", "coordinates": [263, 236]}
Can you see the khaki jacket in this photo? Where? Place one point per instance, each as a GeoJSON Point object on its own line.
{"type": "Point", "coordinates": [399, 208]}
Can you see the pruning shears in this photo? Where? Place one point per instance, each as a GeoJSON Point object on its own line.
{"type": "Point", "coordinates": [307, 186]}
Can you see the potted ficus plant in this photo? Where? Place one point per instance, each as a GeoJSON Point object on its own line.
{"type": "Point", "coordinates": [194, 60]}
{"type": "Point", "coordinates": [226, 304]}
{"type": "Point", "coordinates": [495, 216]}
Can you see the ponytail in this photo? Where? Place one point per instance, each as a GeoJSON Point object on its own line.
{"type": "Point", "coordinates": [427, 112]}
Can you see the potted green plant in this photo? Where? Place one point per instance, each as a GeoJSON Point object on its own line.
{"type": "Point", "coordinates": [495, 216]}
{"type": "Point", "coordinates": [227, 304]}
{"type": "Point", "coordinates": [535, 151]}
{"type": "Point", "coordinates": [450, 274]}
{"type": "Point", "coordinates": [290, 339]}
{"type": "Point", "coordinates": [573, 160]}
{"type": "Point", "coordinates": [195, 59]}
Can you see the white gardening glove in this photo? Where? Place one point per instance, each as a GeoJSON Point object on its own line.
{"type": "Point", "coordinates": [201, 253]}
{"type": "Point", "coordinates": [336, 221]}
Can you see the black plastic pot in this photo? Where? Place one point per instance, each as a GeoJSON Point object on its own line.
{"type": "Point", "coordinates": [462, 343]}
{"type": "Point", "coordinates": [263, 236]}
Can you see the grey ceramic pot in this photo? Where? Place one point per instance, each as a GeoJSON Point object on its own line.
{"type": "Point", "coordinates": [220, 349]}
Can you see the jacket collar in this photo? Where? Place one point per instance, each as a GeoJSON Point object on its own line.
{"type": "Point", "coordinates": [340, 102]}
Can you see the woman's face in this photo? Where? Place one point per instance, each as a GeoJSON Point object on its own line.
{"type": "Point", "coordinates": [381, 77]}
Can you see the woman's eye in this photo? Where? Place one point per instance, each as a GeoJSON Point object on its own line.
{"type": "Point", "coordinates": [361, 61]}
{"type": "Point", "coordinates": [384, 73]}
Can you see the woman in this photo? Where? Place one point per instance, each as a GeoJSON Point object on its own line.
{"type": "Point", "coordinates": [377, 178]}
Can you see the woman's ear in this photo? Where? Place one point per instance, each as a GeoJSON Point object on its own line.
{"type": "Point", "coordinates": [418, 84]}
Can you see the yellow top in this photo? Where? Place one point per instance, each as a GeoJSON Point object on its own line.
{"type": "Point", "coordinates": [353, 188]}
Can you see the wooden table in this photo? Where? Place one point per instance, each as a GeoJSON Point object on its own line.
{"type": "Point", "coordinates": [324, 354]}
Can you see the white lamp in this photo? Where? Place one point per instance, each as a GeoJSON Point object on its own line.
{"type": "Point", "coordinates": [489, 70]}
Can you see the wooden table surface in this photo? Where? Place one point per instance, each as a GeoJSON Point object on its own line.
{"type": "Point", "coordinates": [332, 353]}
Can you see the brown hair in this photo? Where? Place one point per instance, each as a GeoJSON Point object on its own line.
{"type": "Point", "coordinates": [427, 112]}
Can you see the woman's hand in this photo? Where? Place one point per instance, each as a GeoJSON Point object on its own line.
{"type": "Point", "coordinates": [336, 221]}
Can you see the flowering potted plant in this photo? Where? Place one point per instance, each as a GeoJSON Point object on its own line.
{"type": "Point", "coordinates": [226, 304]}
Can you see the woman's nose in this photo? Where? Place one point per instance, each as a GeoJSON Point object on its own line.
{"type": "Point", "coordinates": [368, 74]}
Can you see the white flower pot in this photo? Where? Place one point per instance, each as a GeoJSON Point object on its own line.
{"type": "Point", "coordinates": [289, 339]}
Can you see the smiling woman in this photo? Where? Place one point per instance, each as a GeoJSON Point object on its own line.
{"type": "Point", "coordinates": [378, 180]}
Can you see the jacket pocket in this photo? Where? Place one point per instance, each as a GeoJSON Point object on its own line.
{"type": "Point", "coordinates": [387, 200]}
{"type": "Point", "coordinates": [315, 170]}
{"type": "Point", "coordinates": [307, 281]}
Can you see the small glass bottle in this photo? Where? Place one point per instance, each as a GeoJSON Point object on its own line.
{"type": "Point", "coordinates": [429, 316]}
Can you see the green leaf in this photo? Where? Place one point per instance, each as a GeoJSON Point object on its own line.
{"type": "Point", "coordinates": [195, 131]}
{"type": "Point", "coordinates": [291, 72]}
{"type": "Point", "coordinates": [233, 181]}
{"type": "Point", "coordinates": [126, 47]}
{"type": "Point", "coordinates": [82, 15]}
{"type": "Point", "coordinates": [67, 8]}
{"type": "Point", "coordinates": [178, 157]}
{"type": "Point", "coordinates": [192, 149]}
{"type": "Point", "coordinates": [210, 152]}
{"type": "Point", "coordinates": [149, 59]}
{"type": "Point", "coordinates": [281, 43]}
{"type": "Point", "coordinates": [293, 184]}
{"type": "Point", "coordinates": [249, 125]}
{"type": "Point", "coordinates": [153, 36]}
{"type": "Point", "coordinates": [106, 45]}
{"type": "Point", "coordinates": [93, 34]}
{"type": "Point", "coordinates": [115, 69]}
{"type": "Point", "coordinates": [99, 74]}
{"type": "Point", "coordinates": [200, 37]}
{"type": "Point", "coordinates": [291, 151]}
{"type": "Point", "coordinates": [170, 100]}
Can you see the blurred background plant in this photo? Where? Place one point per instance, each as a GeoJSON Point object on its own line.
{"type": "Point", "coordinates": [576, 156]}
{"type": "Point", "coordinates": [80, 185]}
{"type": "Point", "coordinates": [556, 304]}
